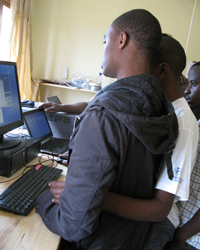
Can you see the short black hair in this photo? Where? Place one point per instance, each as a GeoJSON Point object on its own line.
{"type": "Point", "coordinates": [196, 64]}
{"type": "Point", "coordinates": [142, 28]}
{"type": "Point", "coordinates": [171, 52]}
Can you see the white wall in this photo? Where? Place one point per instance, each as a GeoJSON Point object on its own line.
{"type": "Point", "coordinates": [70, 32]}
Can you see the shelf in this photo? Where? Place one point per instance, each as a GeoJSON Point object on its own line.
{"type": "Point", "coordinates": [67, 95]}
{"type": "Point", "coordinates": [66, 87]}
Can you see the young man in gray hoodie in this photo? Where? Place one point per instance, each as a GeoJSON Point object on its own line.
{"type": "Point", "coordinates": [117, 145]}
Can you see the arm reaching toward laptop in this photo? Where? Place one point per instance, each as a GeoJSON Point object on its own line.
{"type": "Point", "coordinates": [76, 108]}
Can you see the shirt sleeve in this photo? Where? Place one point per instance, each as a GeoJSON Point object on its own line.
{"type": "Point", "coordinates": [183, 159]}
{"type": "Point", "coordinates": [91, 171]}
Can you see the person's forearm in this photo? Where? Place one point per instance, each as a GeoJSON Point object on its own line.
{"type": "Point", "coordinates": [76, 108]}
{"type": "Point", "coordinates": [189, 229]}
{"type": "Point", "coordinates": [138, 209]}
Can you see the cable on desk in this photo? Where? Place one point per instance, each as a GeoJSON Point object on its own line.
{"type": "Point", "coordinates": [51, 164]}
{"type": "Point", "coordinates": [49, 158]}
{"type": "Point", "coordinates": [25, 167]}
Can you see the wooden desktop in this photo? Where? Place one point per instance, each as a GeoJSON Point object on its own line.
{"type": "Point", "coordinates": [26, 232]}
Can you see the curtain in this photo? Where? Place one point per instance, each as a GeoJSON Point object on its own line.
{"type": "Point", "coordinates": [21, 49]}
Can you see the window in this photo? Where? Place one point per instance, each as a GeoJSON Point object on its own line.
{"type": "Point", "coordinates": [5, 25]}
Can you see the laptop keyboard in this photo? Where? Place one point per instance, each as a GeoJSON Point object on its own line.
{"type": "Point", "coordinates": [55, 146]}
{"type": "Point", "coordinates": [20, 196]}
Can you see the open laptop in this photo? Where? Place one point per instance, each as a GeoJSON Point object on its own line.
{"type": "Point", "coordinates": [38, 127]}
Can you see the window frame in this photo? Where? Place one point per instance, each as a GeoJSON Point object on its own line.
{"type": "Point", "coordinates": [2, 3]}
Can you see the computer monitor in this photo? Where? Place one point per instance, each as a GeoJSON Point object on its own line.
{"type": "Point", "coordinates": [10, 104]}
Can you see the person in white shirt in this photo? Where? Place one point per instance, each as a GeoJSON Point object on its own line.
{"type": "Point", "coordinates": [187, 235]}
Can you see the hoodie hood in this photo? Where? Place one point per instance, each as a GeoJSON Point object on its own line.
{"type": "Point", "coordinates": [139, 103]}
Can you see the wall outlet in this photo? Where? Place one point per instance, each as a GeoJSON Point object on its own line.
{"type": "Point", "coordinates": [65, 72]}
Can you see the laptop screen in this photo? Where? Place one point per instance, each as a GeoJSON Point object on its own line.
{"type": "Point", "coordinates": [37, 124]}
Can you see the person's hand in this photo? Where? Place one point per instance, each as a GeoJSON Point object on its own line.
{"type": "Point", "coordinates": [50, 107]}
{"type": "Point", "coordinates": [56, 189]}
{"type": "Point", "coordinates": [64, 158]}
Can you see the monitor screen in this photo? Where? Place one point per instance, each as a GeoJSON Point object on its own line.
{"type": "Point", "coordinates": [10, 104]}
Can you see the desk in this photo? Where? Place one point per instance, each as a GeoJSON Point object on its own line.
{"type": "Point", "coordinates": [26, 232]}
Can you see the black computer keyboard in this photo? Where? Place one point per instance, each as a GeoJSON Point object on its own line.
{"type": "Point", "coordinates": [20, 196]}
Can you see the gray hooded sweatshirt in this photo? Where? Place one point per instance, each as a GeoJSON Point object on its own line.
{"type": "Point", "coordinates": [117, 145]}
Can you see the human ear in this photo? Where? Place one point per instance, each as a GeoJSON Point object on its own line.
{"type": "Point", "coordinates": [123, 40]}
{"type": "Point", "coordinates": [164, 69]}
